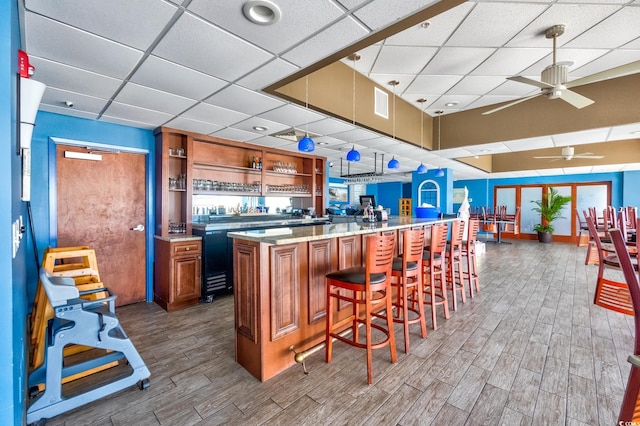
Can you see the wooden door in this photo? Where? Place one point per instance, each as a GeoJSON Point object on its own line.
{"type": "Point", "coordinates": [98, 204]}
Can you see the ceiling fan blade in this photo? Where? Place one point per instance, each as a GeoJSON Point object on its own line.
{"type": "Point", "coordinates": [550, 156]}
{"type": "Point", "coordinates": [575, 99]}
{"type": "Point", "coordinates": [593, 157]}
{"type": "Point", "coordinates": [517, 101]}
{"type": "Point", "coordinates": [526, 80]}
{"type": "Point", "coordinates": [631, 68]}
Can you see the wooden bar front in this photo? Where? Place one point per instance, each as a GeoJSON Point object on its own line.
{"type": "Point", "coordinates": [280, 288]}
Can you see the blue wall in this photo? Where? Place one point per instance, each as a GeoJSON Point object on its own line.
{"type": "Point", "coordinates": [388, 194]}
{"type": "Point", "coordinates": [13, 282]}
{"type": "Point", "coordinates": [446, 189]}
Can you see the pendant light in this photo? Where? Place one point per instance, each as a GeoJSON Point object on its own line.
{"type": "Point", "coordinates": [306, 144]}
{"type": "Point", "coordinates": [439, 172]}
{"type": "Point", "coordinates": [393, 163]}
{"type": "Point", "coordinates": [422, 168]}
{"type": "Point", "coordinates": [354, 155]}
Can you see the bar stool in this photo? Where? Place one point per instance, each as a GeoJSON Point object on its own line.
{"type": "Point", "coordinates": [433, 265]}
{"type": "Point", "coordinates": [469, 253]}
{"type": "Point", "coordinates": [454, 261]}
{"type": "Point", "coordinates": [406, 277]}
{"type": "Point", "coordinates": [370, 287]}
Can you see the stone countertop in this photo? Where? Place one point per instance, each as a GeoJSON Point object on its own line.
{"type": "Point", "coordinates": [286, 235]}
{"type": "Point", "coordinates": [228, 226]}
{"type": "Point", "coordinates": [178, 237]}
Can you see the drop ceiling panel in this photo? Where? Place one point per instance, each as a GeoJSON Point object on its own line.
{"type": "Point", "coordinates": [511, 88]}
{"type": "Point", "coordinates": [249, 124]}
{"type": "Point", "coordinates": [195, 126]}
{"type": "Point", "coordinates": [404, 81]}
{"type": "Point", "coordinates": [577, 170]}
{"type": "Point", "coordinates": [431, 85]}
{"type": "Point", "coordinates": [462, 101]}
{"type": "Point", "coordinates": [579, 57]}
{"type": "Point", "coordinates": [413, 59]}
{"type": "Point", "coordinates": [56, 98]}
{"type": "Point", "coordinates": [579, 138]}
{"type": "Point", "coordinates": [236, 134]}
{"type": "Point", "coordinates": [127, 22]}
{"type": "Point", "coordinates": [476, 85]}
{"type": "Point", "coordinates": [629, 131]}
{"type": "Point", "coordinates": [134, 94]}
{"type": "Point", "coordinates": [350, 4]}
{"type": "Point", "coordinates": [577, 19]}
{"type": "Point", "coordinates": [550, 172]}
{"type": "Point", "coordinates": [440, 29]}
{"type": "Point", "coordinates": [337, 36]}
{"type": "Point", "coordinates": [510, 61]}
{"type": "Point", "coordinates": [457, 60]}
{"type": "Point", "coordinates": [292, 115]}
{"type": "Point", "coordinates": [204, 47]}
{"type": "Point", "coordinates": [299, 21]}
{"type": "Point", "coordinates": [355, 135]}
{"type": "Point", "coordinates": [380, 13]}
{"type": "Point", "coordinates": [453, 153]}
{"type": "Point", "coordinates": [608, 61]}
{"type": "Point", "coordinates": [529, 144]}
{"type": "Point", "coordinates": [173, 78]}
{"type": "Point", "coordinates": [65, 111]}
{"type": "Point", "coordinates": [490, 100]}
{"type": "Point", "coordinates": [489, 148]}
{"type": "Point", "coordinates": [72, 79]}
{"type": "Point", "coordinates": [329, 126]}
{"type": "Point", "coordinates": [49, 39]}
{"type": "Point", "coordinates": [240, 99]}
{"type": "Point", "coordinates": [268, 74]}
{"type": "Point", "coordinates": [509, 17]}
{"type": "Point", "coordinates": [208, 113]}
{"type": "Point", "coordinates": [607, 35]}
{"type": "Point", "coordinates": [133, 113]}
{"type": "Point", "coordinates": [270, 141]}
{"type": "Point", "coordinates": [127, 122]}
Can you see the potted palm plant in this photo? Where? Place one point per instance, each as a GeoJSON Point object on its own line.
{"type": "Point", "coordinates": [550, 209]}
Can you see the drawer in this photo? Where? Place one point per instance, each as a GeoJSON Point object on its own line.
{"type": "Point", "coordinates": [185, 247]}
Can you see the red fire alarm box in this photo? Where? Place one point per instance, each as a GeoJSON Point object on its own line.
{"type": "Point", "coordinates": [25, 68]}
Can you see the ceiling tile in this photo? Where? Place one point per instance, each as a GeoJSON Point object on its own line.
{"type": "Point", "coordinates": [529, 144]}
{"type": "Point", "coordinates": [579, 57]}
{"type": "Point", "coordinates": [293, 115]}
{"type": "Point", "coordinates": [433, 84]}
{"type": "Point", "coordinates": [271, 141]}
{"type": "Point", "coordinates": [173, 78]}
{"type": "Point", "coordinates": [72, 79]}
{"type": "Point", "coordinates": [550, 172]}
{"type": "Point", "coordinates": [368, 57]}
{"type": "Point", "coordinates": [236, 134]}
{"type": "Point", "coordinates": [402, 59]}
{"type": "Point", "coordinates": [272, 127]}
{"type": "Point", "coordinates": [629, 131]}
{"type": "Point", "coordinates": [579, 138]}
{"type": "Point", "coordinates": [490, 100]}
{"type": "Point", "coordinates": [606, 34]}
{"type": "Point", "coordinates": [337, 36]}
{"type": "Point", "coordinates": [127, 122]}
{"type": "Point", "coordinates": [49, 39]}
{"type": "Point", "coordinates": [240, 99]}
{"type": "Point", "coordinates": [457, 60]}
{"type": "Point", "coordinates": [329, 126]}
{"type": "Point", "coordinates": [269, 73]}
{"type": "Point", "coordinates": [350, 4]}
{"type": "Point", "coordinates": [208, 113]}
{"type": "Point", "coordinates": [201, 46]}
{"type": "Point", "coordinates": [404, 81]}
{"type": "Point", "coordinates": [577, 170]}
{"type": "Point", "coordinates": [380, 13]}
{"type": "Point", "coordinates": [509, 17]}
{"type": "Point", "coordinates": [606, 62]}
{"type": "Point", "coordinates": [134, 94]}
{"type": "Point", "coordinates": [489, 148]}
{"type": "Point", "coordinates": [298, 21]}
{"type": "Point", "coordinates": [127, 22]}
{"type": "Point", "coordinates": [462, 101]}
{"type": "Point", "coordinates": [133, 113]}
{"type": "Point", "coordinates": [87, 104]}
{"type": "Point", "coordinates": [510, 61]}
{"type": "Point", "coordinates": [190, 125]}
{"type": "Point", "coordinates": [476, 85]}
{"type": "Point", "coordinates": [511, 88]}
{"type": "Point", "coordinates": [355, 135]}
{"type": "Point", "coordinates": [65, 111]}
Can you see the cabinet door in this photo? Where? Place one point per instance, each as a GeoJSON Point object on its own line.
{"type": "Point", "coordinates": [186, 279]}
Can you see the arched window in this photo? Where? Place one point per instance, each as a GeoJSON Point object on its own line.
{"type": "Point", "coordinates": [429, 192]}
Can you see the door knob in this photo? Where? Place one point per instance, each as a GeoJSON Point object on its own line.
{"type": "Point", "coordinates": [138, 228]}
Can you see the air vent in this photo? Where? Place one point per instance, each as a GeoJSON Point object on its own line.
{"type": "Point", "coordinates": [381, 103]}
{"type": "Point", "coordinates": [294, 135]}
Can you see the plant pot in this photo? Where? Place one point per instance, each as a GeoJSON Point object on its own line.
{"type": "Point", "coordinates": [545, 237]}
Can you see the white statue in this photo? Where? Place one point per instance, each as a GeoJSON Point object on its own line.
{"type": "Point", "coordinates": [463, 211]}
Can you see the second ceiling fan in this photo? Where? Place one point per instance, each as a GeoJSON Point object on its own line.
{"type": "Point", "coordinates": [555, 82]}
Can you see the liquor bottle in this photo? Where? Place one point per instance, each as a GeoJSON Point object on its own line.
{"type": "Point", "coordinates": [260, 163]}
{"type": "Point", "coordinates": [253, 163]}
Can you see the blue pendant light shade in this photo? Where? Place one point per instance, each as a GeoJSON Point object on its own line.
{"type": "Point", "coordinates": [306, 144]}
{"type": "Point", "coordinates": [393, 164]}
{"type": "Point", "coordinates": [439, 172]}
{"type": "Point", "coordinates": [422, 169]}
{"type": "Point", "coordinates": [353, 155]}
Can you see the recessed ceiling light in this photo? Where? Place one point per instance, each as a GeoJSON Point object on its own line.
{"type": "Point", "coordinates": [259, 128]}
{"type": "Point", "coordinates": [323, 143]}
{"type": "Point", "coordinates": [425, 24]}
{"type": "Point", "coordinates": [451, 104]}
{"type": "Point", "coordinates": [261, 12]}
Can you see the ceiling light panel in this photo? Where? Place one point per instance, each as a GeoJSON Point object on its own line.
{"type": "Point", "coordinates": [128, 22]}
{"type": "Point", "coordinates": [509, 17]}
{"type": "Point", "coordinates": [78, 48]}
{"type": "Point", "coordinates": [173, 78]}
{"type": "Point", "coordinates": [189, 39]}
{"type": "Point", "coordinates": [72, 79]}
{"type": "Point", "coordinates": [299, 20]}
{"type": "Point", "coordinates": [339, 35]}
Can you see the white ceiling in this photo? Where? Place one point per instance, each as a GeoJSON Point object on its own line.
{"type": "Point", "coordinates": [199, 65]}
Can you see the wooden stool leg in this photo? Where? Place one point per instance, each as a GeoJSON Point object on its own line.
{"type": "Point", "coordinates": [451, 279]}
{"type": "Point", "coordinates": [328, 347]}
{"type": "Point", "coordinates": [443, 288]}
{"type": "Point", "coordinates": [367, 322]}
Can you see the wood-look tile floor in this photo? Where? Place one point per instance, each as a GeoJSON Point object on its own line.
{"type": "Point", "coordinates": [530, 349]}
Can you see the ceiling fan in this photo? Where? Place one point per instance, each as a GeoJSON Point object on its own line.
{"type": "Point", "coordinates": [554, 82]}
{"type": "Point", "coordinates": [568, 154]}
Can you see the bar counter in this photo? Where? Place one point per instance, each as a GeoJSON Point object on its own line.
{"type": "Point", "coordinates": [280, 286]}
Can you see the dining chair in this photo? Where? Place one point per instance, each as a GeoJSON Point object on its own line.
{"type": "Point", "coordinates": [470, 275]}
{"type": "Point", "coordinates": [434, 268]}
{"type": "Point", "coordinates": [455, 281]}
